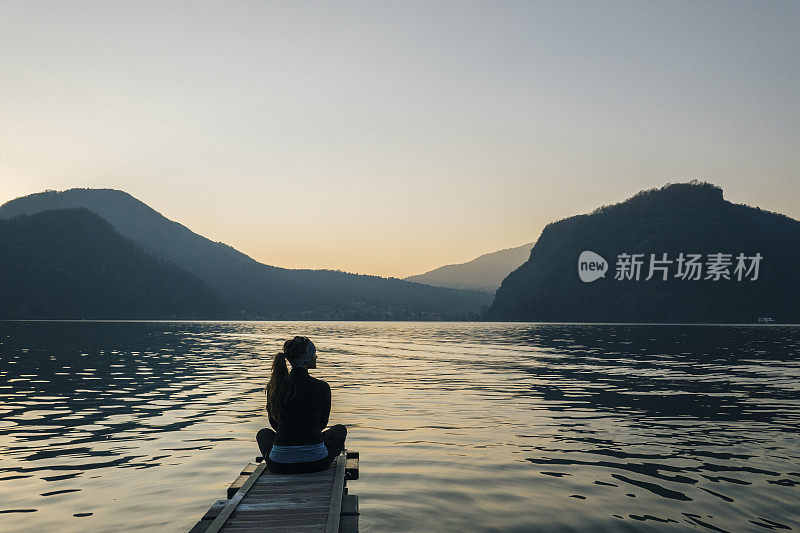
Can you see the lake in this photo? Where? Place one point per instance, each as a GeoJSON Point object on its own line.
{"type": "Point", "coordinates": [141, 426]}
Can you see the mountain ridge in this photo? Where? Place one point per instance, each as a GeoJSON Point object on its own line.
{"type": "Point", "coordinates": [484, 273]}
{"type": "Point", "coordinates": [676, 219]}
{"type": "Point", "coordinates": [72, 264]}
{"type": "Point", "coordinates": [250, 289]}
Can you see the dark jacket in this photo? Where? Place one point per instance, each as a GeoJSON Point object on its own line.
{"type": "Point", "coordinates": [306, 414]}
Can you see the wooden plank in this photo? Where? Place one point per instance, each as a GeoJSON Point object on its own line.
{"type": "Point", "coordinates": [349, 505]}
{"type": "Point", "coordinates": [275, 498]}
{"type": "Point", "coordinates": [278, 529]}
{"type": "Point", "coordinates": [292, 478]}
{"type": "Point", "coordinates": [290, 527]}
{"type": "Point", "coordinates": [237, 484]}
{"type": "Point", "coordinates": [220, 520]}
{"type": "Point", "coordinates": [292, 489]}
{"type": "Point", "coordinates": [200, 527]}
{"type": "Point", "coordinates": [212, 513]}
{"type": "Point", "coordinates": [287, 510]}
{"type": "Point", "coordinates": [301, 484]}
{"type": "Point", "coordinates": [288, 483]}
{"type": "Point", "coordinates": [318, 521]}
{"type": "Point", "coordinates": [336, 495]}
{"type": "Point", "coordinates": [286, 514]}
{"type": "Point", "coordinates": [262, 513]}
{"type": "Point", "coordinates": [239, 481]}
{"type": "Point", "coordinates": [348, 524]}
{"type": "Point", "coordinates": [294, 498]}
{"type": "Point", "coordinates": [283, 503]}
{"type": "Point", "coordinates": [273, 494]}
{"type": "Point", "coordinates": [313, 506]}
{"type": "Point", "coordinates": [268, 492]}
{"type": "Point", "coordinates": [315, 520]}
{"type": "Point", "coordinates": [287, 487]}
{"type": "Point", "coordinates": [272, 479]}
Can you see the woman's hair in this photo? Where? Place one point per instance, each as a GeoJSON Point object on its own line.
{"type": "Point", "coordinates": [280, 388]}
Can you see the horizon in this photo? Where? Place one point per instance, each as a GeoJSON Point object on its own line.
{"type": "Point", "coordinates": [392, 140]}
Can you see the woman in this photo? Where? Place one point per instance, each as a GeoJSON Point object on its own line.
{"type": "Point", "coordinates": [298, 407]}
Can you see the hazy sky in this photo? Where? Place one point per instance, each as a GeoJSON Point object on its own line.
{"type": "Point", "coordinates": [394, 137]}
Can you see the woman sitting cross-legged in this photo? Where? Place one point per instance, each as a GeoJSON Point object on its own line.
{"type": "Point", "coordinates": [298, 407]}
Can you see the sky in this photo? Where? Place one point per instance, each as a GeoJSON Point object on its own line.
{"type": "Point", "coordinates": [392, 138]}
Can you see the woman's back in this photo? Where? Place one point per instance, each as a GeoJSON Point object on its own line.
{"type": "Point", "coordinates": [298, 406]}
{"type": "Point", "coordinates": [306, 413]}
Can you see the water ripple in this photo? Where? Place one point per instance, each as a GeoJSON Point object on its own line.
{"type": "Point", "coordinates": [479, 427]}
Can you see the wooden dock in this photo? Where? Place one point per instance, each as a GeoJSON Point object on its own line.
{"type": "Point", "coordinates": [259, 500]}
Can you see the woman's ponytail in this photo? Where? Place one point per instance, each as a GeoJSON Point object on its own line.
{"type": "Point", "coordinates": [279, 388]}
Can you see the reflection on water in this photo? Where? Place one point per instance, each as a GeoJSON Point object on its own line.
{"type": "Point", "coordinates": [479, 427]}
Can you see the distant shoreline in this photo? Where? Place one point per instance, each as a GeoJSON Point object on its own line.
{"type": "Point", "coordinates": [190, 321]}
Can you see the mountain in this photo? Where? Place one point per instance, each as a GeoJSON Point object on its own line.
{"type": "Point", "coordinates": [484, 273]}
{"type": "Point", "coordinates": [724, 263]}
{"type": "Point", "coordinates": [71, 264]}
{"type": "Point", "coordinates": [247, 288]}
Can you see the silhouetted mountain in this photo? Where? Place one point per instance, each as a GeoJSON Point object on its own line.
{"type": "Point", "coordinates": [686, 218]}
{"type": "Point", "coordinates": [71, 264]}
{"type": "Point", "coordinates": [250, 289]}
{"type": "Point", "coordinates": [484, 273]}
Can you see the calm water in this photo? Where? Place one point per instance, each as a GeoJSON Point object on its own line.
{"type": "Point", "coordinates": [472, 427]}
